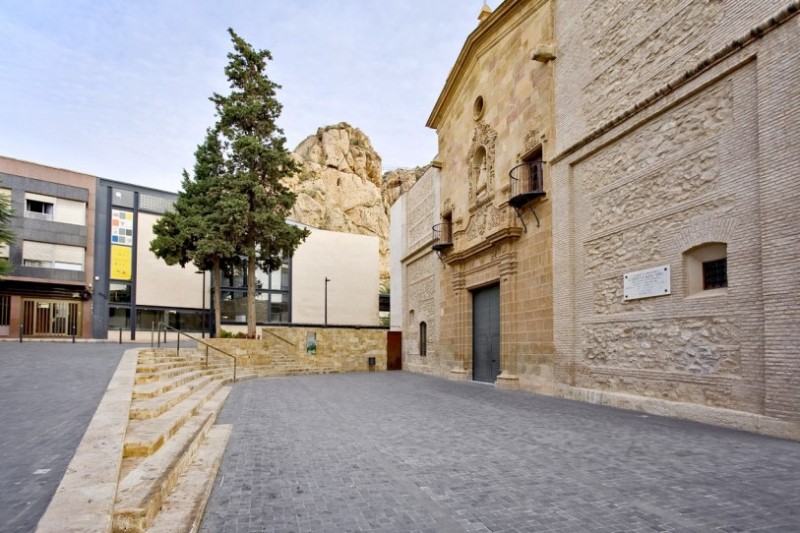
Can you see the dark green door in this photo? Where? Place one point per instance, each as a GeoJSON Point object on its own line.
{"type": "Point", "coordinates": [486, 334]}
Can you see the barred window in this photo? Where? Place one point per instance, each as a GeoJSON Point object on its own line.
{"type": "Point", "coordinates": [715, 274]}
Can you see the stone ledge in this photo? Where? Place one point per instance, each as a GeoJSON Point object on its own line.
{"type": "Point", "coordinates": [84, 500]}
{"type": "Point", "coordinates": [715, 416]}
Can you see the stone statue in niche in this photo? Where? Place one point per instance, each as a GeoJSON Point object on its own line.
{"type": "Point", "coordinates": [481, 164]}
{"type": "Point", "coordinates": [483, 171]}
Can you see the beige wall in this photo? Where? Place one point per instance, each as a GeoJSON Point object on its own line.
{"type": "Point", "coordinates": [705, 158]}
{"type": "Point", "coordinates": [351, 263]}
{"type": "Point", "coordinates": [159, 284]}
{"type": "Point", "coordinates": [490, 244]}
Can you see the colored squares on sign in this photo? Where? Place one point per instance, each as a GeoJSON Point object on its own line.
{"type": "Point", "coordinates": [122, 227]}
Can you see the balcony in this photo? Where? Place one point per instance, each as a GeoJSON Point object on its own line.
{"type": "Point", "coordinates": [442, 237]}
{"type": "Point", "coordinates": [527, 183]}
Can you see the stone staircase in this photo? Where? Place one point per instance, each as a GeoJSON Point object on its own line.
{"type": "Point", "coordinates": [172, 447]}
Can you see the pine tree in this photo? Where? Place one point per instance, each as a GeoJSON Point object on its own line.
{"type": "Point", "coordinates": [256, 160]}
{"type": "Point", "coordinates": [195, 230]}
{"type": "Point", "coordinates": [236, 205]}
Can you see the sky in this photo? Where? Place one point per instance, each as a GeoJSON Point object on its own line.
{"type": "Point", "coordinates": [119, 89]}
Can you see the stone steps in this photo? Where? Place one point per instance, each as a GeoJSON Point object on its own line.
{"type": "Point", "coordinates": [144, 408]}
{"type": "Point", "coordinates": [151, 390]}
{"type": "Point", "coordinates": [183, 510]}
{"type": "Point", "coordinates": [151, 366]}
{"type": "Point", "coordinates": [171, 443]}
{"type": "Point", "coordinates": [145, 437]}
{"type": "Point", "coordinates": [141, 493]}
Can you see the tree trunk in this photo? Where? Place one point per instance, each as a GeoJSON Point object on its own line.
{"type": "Point", "coordinates": [251, 293]}
{"type": "Point", "coordinates": [217, 297]}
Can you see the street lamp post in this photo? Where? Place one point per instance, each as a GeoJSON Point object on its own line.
{"type": "Point", "coordinates": [326, 299]}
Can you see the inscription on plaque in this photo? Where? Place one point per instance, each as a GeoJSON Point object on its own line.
{"type": "Point", "coordinates": [646, 283]}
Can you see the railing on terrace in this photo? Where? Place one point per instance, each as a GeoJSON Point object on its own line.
{"type": "Point", "coordinates": [165, 327]}
{"type": "Point", "coordinates": [527, 184]}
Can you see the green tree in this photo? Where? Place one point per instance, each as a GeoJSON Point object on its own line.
{"type": "Point", "coordinates": [256, 160]}
{"type": "Point", "coordinates": [6, 235]}
{"type": "Point", "coordinates": [195, 229]}
{"type": "Point", "coordinates": [235, 206]}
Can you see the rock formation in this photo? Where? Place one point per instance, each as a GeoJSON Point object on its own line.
{"type": "Point", "coordinates": [341, 188]}
{"type": "Point", "coordinates": [397, 182]}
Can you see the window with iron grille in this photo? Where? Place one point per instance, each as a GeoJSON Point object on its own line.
{"type": "Point", "coordinates": [715, 274]}
{"type": "Point", "coordinates": [535, 174]}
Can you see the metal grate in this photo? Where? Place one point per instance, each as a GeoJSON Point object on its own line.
{"type": "Point", "coordinates": [5, 310]}
{"type": "Point", "coordinates": [715, 274]}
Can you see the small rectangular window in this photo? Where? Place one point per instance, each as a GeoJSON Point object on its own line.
{"type": "Point", "coordinates": [38, 210]}
{"type": "Point", "coordinates": [715, 274]}
{"type": "Point", "coordinates": [119, 293]}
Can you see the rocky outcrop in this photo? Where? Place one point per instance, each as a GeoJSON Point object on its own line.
{"type": "Point", "coordinates": [397, 182]}
{"type": "Point", "coordinates": [341, 188]}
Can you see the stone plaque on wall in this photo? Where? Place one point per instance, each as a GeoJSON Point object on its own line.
{"type": "Point", "coordinates": [646, 283]}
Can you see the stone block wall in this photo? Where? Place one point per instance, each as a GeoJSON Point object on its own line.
{"type": "Point", "coordinates": [283, 350]}
{"type": "Point", "coordinates": [421, 275]}
{"type": "Point", "coordinates": [707, 159]}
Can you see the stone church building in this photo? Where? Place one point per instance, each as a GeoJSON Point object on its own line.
{"type": "Point", "coordinates": [613, 212]}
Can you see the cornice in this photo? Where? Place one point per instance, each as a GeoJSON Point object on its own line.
{"type": "Point", "coordinates": [478, 36]}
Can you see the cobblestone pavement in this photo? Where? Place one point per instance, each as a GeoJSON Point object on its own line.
{"type": "Point", "coordinates": [48, 394]}
{"type": "Point", "coordinates": [410, 453]}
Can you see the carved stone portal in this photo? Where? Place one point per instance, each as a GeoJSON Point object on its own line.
{"type": "Point", "coordinates": [481, 164]}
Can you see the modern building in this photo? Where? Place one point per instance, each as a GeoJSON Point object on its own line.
{"type": "Point", "coordinates": [49, 290]}
{"type": "Point", "coordinates": [619, 181]}
{"type": "Point", "coordinates": [83, 266]}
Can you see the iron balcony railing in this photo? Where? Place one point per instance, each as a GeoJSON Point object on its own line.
{"type": "Point", "coordinates": [442, 236]}
{"type": "Point", "coordinates": [527, 182]}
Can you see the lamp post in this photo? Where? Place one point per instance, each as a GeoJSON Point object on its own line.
{"type": "Point", "coordinates": [326, 299]}
{"type": "Point", "coordinates": [203, 311]}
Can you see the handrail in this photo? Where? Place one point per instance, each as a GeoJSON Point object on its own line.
{"type": "Point", "coordinates": [278, 337]}
{"type": "Point", "coordinates": [166, 327]}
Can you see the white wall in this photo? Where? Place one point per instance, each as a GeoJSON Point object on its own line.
{"type": "Point", "coordinates": [159, 284]}
{"type": "Point", "coordinates": [351, 262]}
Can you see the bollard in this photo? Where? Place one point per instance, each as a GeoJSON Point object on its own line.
{"type": "Point", "coordinates": [73, 334]}
{"type": "Point", "coordinates": [152, 330]}
{"type": "Point", "coordinates": [120, 334]}
{"type": "Point", "coordinates": [20, 332]}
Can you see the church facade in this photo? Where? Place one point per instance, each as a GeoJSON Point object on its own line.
{"type": "Point", "coordinates": [617, 208]}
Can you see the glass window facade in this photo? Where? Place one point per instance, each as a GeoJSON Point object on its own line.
{"type": "Point", "coordinates": [272, 295]}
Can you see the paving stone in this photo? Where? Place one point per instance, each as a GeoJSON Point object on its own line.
{"type": "Point", "coordinates": [49, 392]}
{"type": "Point", "coordinates": [404, 452]}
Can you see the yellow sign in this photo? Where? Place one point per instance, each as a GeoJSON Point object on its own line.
{"type": "Point", "coordinates": [121, 257]}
